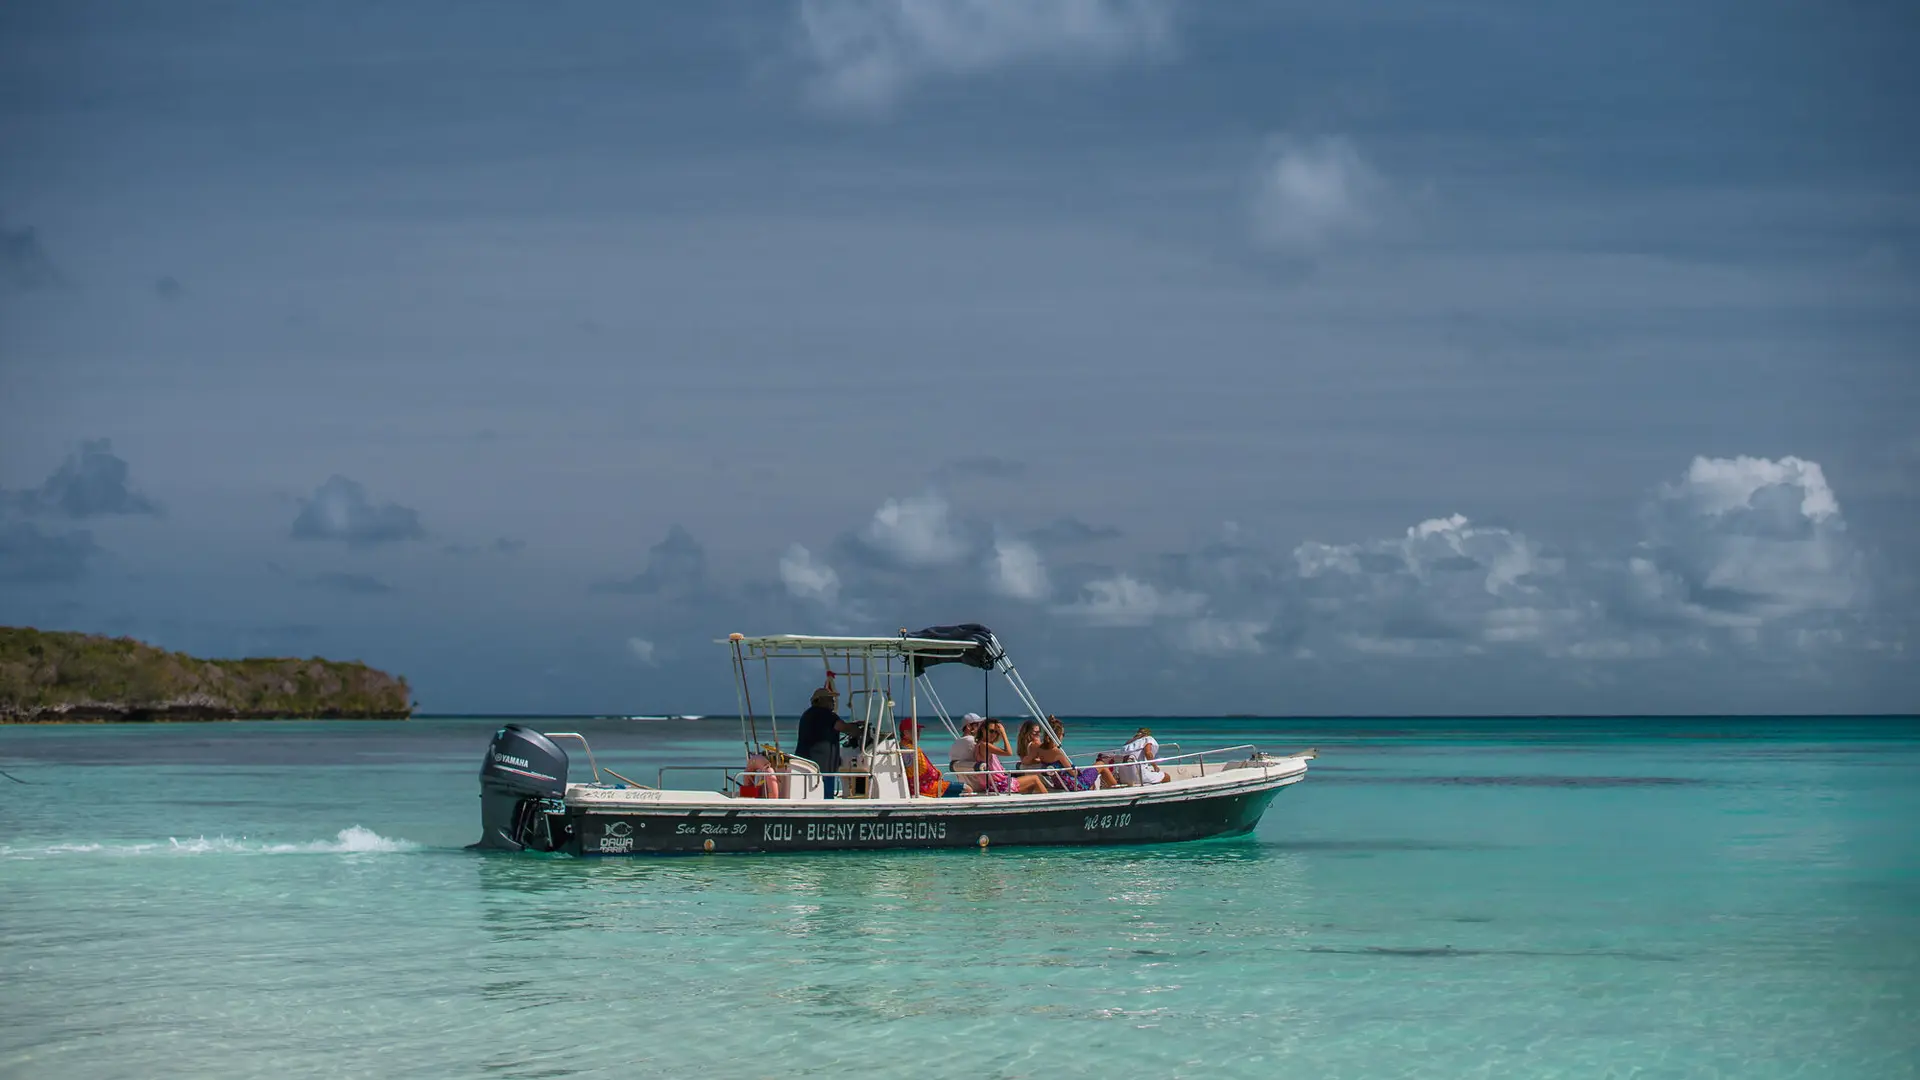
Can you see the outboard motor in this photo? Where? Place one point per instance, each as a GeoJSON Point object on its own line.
{"type": "Point", "coordinates": [523, 780]}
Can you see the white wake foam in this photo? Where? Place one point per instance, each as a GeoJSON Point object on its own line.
{"type": "Point", "coordinates": [354, 840]}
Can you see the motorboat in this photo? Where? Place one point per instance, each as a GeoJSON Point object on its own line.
{"type": "Point", "coordinates": [534, 798]}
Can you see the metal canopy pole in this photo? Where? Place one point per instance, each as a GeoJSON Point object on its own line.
{"type": "Point", "coordinates": [1005, 664]}
{"type": "Point", "coordinates": [773, 717]}
{"type": "Point", "coordinates": [939, 707]}
{"type": "Point", "coordinates": [744, 697]}
{"type": "Point", "coordinates": [1020, 688]}
{"type": "Point", "coordinates": [872, 723]}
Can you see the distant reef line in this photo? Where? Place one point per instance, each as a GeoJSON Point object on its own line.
{"type": "Point", "coordinates": [57, 677]}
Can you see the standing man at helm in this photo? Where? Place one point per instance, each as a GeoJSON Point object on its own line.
{"type": "Point", "coordinates": [819, 737]}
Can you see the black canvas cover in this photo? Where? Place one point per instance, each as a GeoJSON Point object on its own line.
{"type": "Point", "coordinates": [985, 653]}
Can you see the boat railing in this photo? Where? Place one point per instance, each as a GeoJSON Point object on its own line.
{"type": "Point", "coordinates": [594, 765]}
{"type": "Point", "coordinates": [730, 772]}
{"type": "Point", "coordinates": [660, 777]}
{"type": "Point", "coordinates": [1043, 770]}
{"type": "Point", "coordinates": [1249, 748]}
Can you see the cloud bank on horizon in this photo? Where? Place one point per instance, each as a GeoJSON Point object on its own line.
{"type": "Point", "coordinates": [1224, 358]}
{"type": "Point", "coordinates": [1736, 553]}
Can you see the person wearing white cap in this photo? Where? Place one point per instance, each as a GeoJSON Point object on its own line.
{"type": "Point", "coordinates": [963, 758]}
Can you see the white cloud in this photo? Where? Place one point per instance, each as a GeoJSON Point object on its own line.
{"type": "Point", "coordinates": [1313, 559]}
{"type": "Point", "coordinates": [1446, 586]}
{"type": "Point", "coordinates": [1015, 570]}
{"type": "Point", "coordinates": [867, 54]}
{"type": "Point", "coordinates": [1651, 594]}
{"type": "Point", "coordinates": [1501, 562]}
{"type": "Point", "coordinates": [642, 649]}
{"type": "Point", "coordinates": [1743, 552]}
{"type": "Point", "coordinates": [1637, 647]}
{"type": "Point", "coordinates": [917, 531]}
{"type": "Point", "coordinates": [1311, 191]}
{"type": "Point", "coordinates": [1222, 637]}
{"type": "Point", "coordinates": [341, 510]}
{"type": "Point", "coordinates": [1745, 541]}
{"type": "Point", "coordinates": [1122, 600]}
{"type": "Point", "coordinates": [1375, 645]}
{"type": "Point", "coordinates": [807, 579]}
{"type": "Point", "coordinates": [1720, 486]}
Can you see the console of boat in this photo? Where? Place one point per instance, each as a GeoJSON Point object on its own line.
{"type": "Point", "coordinates": [533, 799]}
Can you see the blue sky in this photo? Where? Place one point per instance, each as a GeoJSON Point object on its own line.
{"type": "Point", "coordinates": [1281, 358]}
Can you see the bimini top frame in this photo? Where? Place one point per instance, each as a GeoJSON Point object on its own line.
{"type": "Point", "coordinates": [871, 666]}
{"type": "Point", "coordinates": [776, 645]}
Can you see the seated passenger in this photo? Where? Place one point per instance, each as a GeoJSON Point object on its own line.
{"type": "Point", "coordinates": [963, 758]}
{"type": "Point", "coordinates": [991, 743]}
{"type": "Point", "coordinates": [1042, 759]}
{"type": "Point", "coordinates": [1093, 777]}
{"type": "Point", "coordinates": [1139, 755]}
{"type": "Point", "coordinates": [932, 784]}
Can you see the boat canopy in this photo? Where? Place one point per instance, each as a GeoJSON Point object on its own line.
{"type": "Point", "coordinates": [948, 649]}
{"type": "Point", "coordinates": [874, 668]}
{"type": "Point", "coordinates": [983, 649]}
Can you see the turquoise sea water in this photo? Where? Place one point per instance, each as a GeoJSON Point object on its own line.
{"type": "Point", "coordinates": [1736, 898]}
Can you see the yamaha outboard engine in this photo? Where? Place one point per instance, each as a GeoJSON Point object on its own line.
{"type": "Point", "coordinates": [523, 782]}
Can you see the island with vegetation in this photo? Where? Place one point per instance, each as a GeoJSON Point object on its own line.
{"type": "Point", "coordinates": [58, 677]}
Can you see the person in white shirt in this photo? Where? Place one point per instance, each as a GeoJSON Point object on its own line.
{"type": "Point", "coordinates": [963, 758]}
{"type": "Point", "coordinates": [1139, 755]}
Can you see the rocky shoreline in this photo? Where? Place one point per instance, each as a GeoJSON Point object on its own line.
{"type": "Point", "coordinates": [169, 712]}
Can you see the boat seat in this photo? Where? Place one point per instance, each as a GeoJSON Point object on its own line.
{"type": "Point", "coordinates": [801, 778]}
{"type": "Point", "coordinates": [1184, 771]}
{"type": "Point", "coordinates": [889, 771]}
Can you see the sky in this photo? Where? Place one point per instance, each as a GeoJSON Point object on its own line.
{"type": "Point", "coordinates": [1288, 358]}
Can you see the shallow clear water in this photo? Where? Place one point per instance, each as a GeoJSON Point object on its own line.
{"type": "Point", "coordinates": [1439, 898]}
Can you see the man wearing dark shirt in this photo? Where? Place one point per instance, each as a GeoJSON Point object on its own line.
{"type": "Point", "coordinates": [819, 738]}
